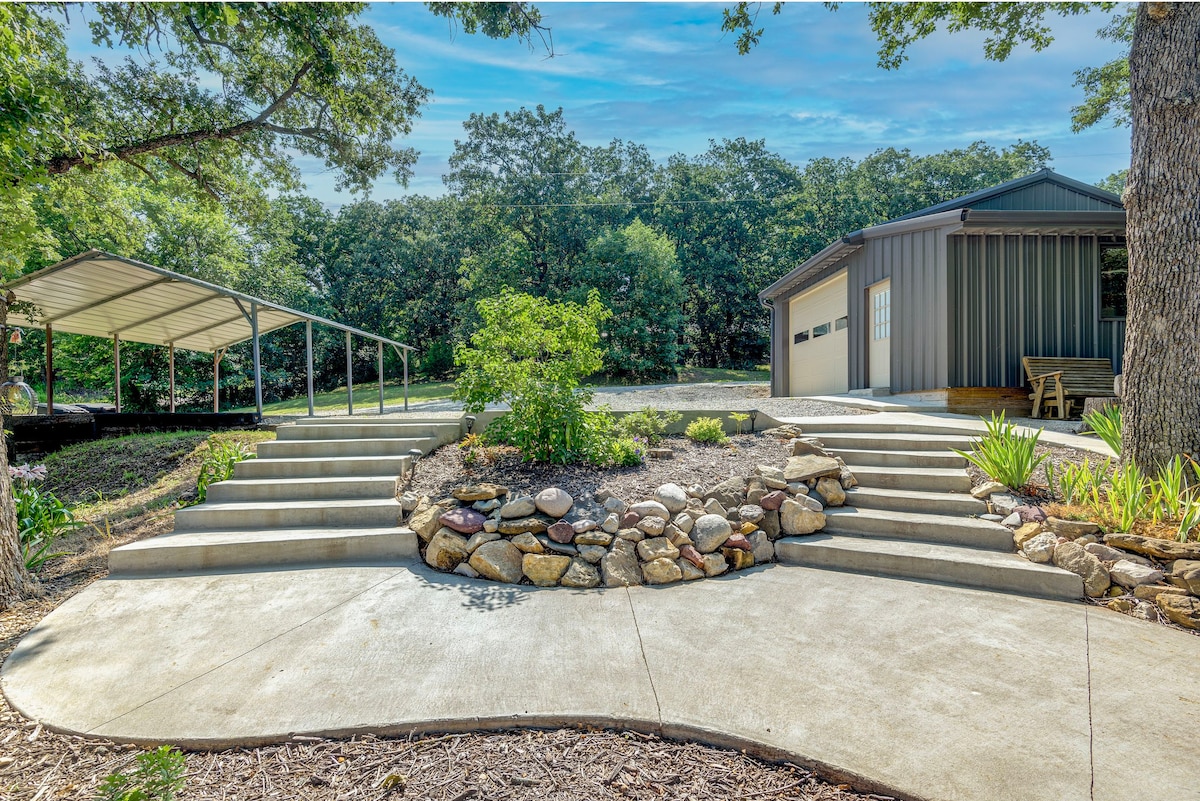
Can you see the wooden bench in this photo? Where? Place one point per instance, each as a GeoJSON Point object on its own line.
{"type": "Point", "coordinates": [1059, 381]}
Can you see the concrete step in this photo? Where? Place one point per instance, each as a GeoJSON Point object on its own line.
{"type": "Point", "coordinates": [344, 447]}
{"type": "Point", "coordinates": [230, 550]}
{"type": "Point", "coordinates": [882, 458]}
{"type": "Point", "coordinates": [931, 479]}
{"type": "Point", "coordinates": [968, 567]}
{"type": "Point", "coordinates": [374, 419]}
{"type": "Point", "coordinates": [301, 489]}
{"type": "Point", "coordinates": [857, 440]}
{"type": "Point", "coordinates": [868, 424]}
{"type": "Point", "coordinates": [314, 467]}
{"type": "Point", "coordinates": [939, 503]}
{"type": "Point", "coordinates": [357, 430]}
{"type": "Point", "coordinates": [917, 527]}
{"type": "Point", "coordinates": [246, 515]}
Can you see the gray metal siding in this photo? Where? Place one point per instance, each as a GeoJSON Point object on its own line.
{"type": "Point", "coordinates": [1024, 295]}
{"type": "Point", "coordinates": [1045, 196]}
{"type": "Point", "coordinates": [916, 264]}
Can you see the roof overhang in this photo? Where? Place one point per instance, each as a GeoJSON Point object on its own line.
{"type": "Point", "coordinates": [1043, 223]}
{"type": "Point", "coordinates": [102, 295]}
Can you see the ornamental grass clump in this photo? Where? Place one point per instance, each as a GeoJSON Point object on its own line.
{"type": "Point", "coordinates": [1106, 423]}
{"type": "Point", "coordinates": [1003, 454]}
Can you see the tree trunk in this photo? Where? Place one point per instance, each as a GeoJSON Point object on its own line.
{"type": "Point", "coordinates": [15, 581]}
{"type": "Point", "coordinates": [1162, 360]}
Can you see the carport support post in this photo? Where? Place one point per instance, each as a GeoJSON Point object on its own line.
{"type": "Point", "coordinates": [404, 353]}
{"type": "Point", "coordinates": [117, 369]}
{"type": "Point", "coordinates": [171, 377]}
{"type": "Point", "coordinates": [349, 379]}
{"type": "Point", "coordinates": [380, 352]}
{"type": "Point", "coordinates": [217, 354]}
{"type": "Point", "coordinates": [49, 371]}
{"type": "Point", "coordinates": [257, 360]}
{"type": "Point", "coordinates": [308, 354]}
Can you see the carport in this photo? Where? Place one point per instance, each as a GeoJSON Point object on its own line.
{"type": "Point", "coordinates": [102, 295]}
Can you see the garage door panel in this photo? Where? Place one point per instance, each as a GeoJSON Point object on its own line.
{"type": "Point", "coordinates": [818, 340]}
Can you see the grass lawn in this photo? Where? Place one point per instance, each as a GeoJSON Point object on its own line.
{"type": "Point", "coordinates": [366, 396]}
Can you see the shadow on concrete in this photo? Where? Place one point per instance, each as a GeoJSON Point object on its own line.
{"type": "Point", "coordinates": [481, 595]}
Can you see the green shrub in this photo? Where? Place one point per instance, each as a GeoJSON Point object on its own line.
{"type": "Point", "coordinates": [706, 429]}
{"type": "Point", "coordinates": [619, 452]}
{"type": "Point", "coordinates": [1107, 424]}
{"type": "Point", "coordinates": [738, 418]}
{"type": "Point", "coordinates": [649, 424]}
{"type": "Point", "coordinates": [41, 517]}
{"type": "Point", "coordinates": [532, 354]}
{"type": "Point", "coordinates": [157, 776]}
{"type": "Point", "coordinates": [1003, 454]}
{"type": "Point", "coordinates": [218, 464]}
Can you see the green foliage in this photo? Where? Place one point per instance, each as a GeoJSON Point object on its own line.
{"type": "Point", "coordinates": [1003, 454]}
{"type": "Point", "coordinates": [738, 418]}
{"type": "Point", "coordinates": [706, 429]}
{"type": "Point", "coordinates": [618, 451]}
{"type": "Point", "coordinates": [219, 462]}
{"type": "Point", "coordinates": [649, 424]}
{"type": "Point", "coordinates": [1128, 497]}
{"type": "Point", "coordinates": [1076, 483]}
{"type": "Point", "coordinates": [157, 775]}
{"type": "Point", "coordinates": [532, 354]}
{"type": "Point", "coordinates": [1107, 424]}
{"type": "Point", "coordinates": [41, 517]}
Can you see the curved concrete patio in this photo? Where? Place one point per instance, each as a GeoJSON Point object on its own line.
{"type": "Point", "coordinates": [932, 691]}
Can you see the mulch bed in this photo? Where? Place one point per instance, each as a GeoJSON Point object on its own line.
{"type": "Point", "coordinates": [444, 469]}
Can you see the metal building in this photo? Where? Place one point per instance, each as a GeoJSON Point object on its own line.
{"type": "Point", "coordinates": [954, 295]}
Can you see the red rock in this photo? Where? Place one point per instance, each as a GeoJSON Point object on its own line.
{"type": "Point", "coordinates": [773, 500]}
{"type": "Point", "coordinates": [463, 520]}
{"type": "Point", "coordinates": [1031, 514]}
{"type": "Point", "coordinates": [630, 519]}
{"type": "Point", "coordinates": [562, 531]}
{"type": "Point", "coordinates": [739, 541]}
{"type": "Point", "coordinates": [690, 553]}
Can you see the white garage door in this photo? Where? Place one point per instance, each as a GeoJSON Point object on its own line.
{"type": "Point", "coordinates": [818, 341]}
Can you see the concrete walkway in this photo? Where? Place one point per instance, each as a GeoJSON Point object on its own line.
{"type": "Point", "coordinates": [933, 691]}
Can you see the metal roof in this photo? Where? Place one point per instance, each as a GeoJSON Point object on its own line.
{"type": "Point", "coordinates": [102, 295]}
{"type": "Point", "coordinates": [1044, 175]}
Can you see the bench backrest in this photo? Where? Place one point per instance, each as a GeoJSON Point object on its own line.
{"type": "Point", "coordinates": [1080, 377]}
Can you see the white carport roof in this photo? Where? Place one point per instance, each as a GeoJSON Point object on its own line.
{"type": "Point", "coordinates": [103, 295]}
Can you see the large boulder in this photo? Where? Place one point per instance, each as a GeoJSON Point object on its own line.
{"type": "Point", "coordinates": [661, 571]}
{"type": "Point", "coordinates": [808, 466]}
{"type": "Point", "coordinates": [796, 519]}
{"type": "Point", "coordinates": [651, 509]}
{"type": "Point", "coordinates": [710, 532]}
{"type": "Point", "coordinates": [581, 575]}
{"type": "Point", "coordinates": [446, 550]}
{"type": "Point", "coordinates": [1071, 556]}
{"type": "Point", "coordinates": [620, 567]}
{"type": "Point", "coordinates": [499, 561]}
{"type": "Point", "coordinates": [553, 501]}
{"type": "Point", "coordinates": [463, 520]}
{"type": "Point", "coordinates": [656, 548]}
{"type": "Point", "coordinates": [729, 493]}
{"type": "Point", "coordinates": [425, 519]}
{"type": "Point", "coordinates": [544, 570]}
{"type": "Point", "coordinates": [1164, 550]}
{"type": "Point", "coordinates": [831, 490]}
{"type": "Point", "coordinates": [672, 496]}
{"type": "Point", "coordinates": [527, 543]}
{"type": "Point", "coordinates": [479, 492]}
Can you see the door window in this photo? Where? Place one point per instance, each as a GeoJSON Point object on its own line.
{"type": "Point", "coordinates": [881, 311]}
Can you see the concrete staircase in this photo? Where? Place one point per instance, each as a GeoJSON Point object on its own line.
{"type": "Point", "coordinates": [912, 515]}
{"type": "Point", "coordinates": [323, 492]}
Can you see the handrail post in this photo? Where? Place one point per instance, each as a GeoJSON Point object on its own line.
{"type": "Point", "coordinates": [405, 352]}
{"type": "Point", "coordinates": [308, 352]}
{"type": "Point", "coordinates": [379, 351]}
{"type": "Point", "coordinates": [349, 379]}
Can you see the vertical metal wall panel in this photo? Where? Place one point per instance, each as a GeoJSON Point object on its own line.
{"type": "Point", "coordinates": [1044, 196]}
{"type": "Point", "coordinates": [1024, 295]}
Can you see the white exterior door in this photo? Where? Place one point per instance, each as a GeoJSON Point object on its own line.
{"type": "Point", "coordinates": [879, 334]}
{"type": "Point", "coordinates": [818, 341]}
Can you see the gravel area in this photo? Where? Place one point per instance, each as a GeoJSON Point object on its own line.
{"type": "Point", "coordinates": [443, 470]}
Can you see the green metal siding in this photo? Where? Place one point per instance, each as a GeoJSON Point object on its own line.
{"type": "Point", "coordinates": [1024, 295]}
{"type": "Point", "coordinates": [1045, 196]}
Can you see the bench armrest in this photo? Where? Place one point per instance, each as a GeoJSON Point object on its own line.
{"type": "Point", "coordinates": [1044, 377]}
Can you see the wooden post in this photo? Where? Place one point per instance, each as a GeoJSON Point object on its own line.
{"type": "Point", "coordinates": [171, 378]}
{"type": "Point", "coordinates": [217, 356]}
{"type": "Point", "coordinates": [349, 379]}
{"type": "Point", "coordinates": [49, 371]}
{"type": "Point", "coordinates": [257, 360]}
{"type": "Point", "coordinates": [380, 354]}
{"type": "Point", "coordinates": [117, 369]}
{"type": "Point", "coordinates": [308, 351]}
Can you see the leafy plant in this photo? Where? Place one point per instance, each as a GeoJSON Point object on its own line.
{"type": "Point", "coordinates": [1128, 496]}
{"type": "Point", "coordinates": [157, 776]}
{"type": "Point", "coordinates": [738, 418]}
{"type": "Point", "coordinates": [1107, 424]}
{"type": "Point", "coordinates": [41, 517]}
{"type": "Point", "coordinates": [1003, 454]}
{"type": "Point", "coordinates": [1189, 520]}
{"type": "Point", "coordinates": [218, 464]}
{"type": "Point", "coordinates": [706, 429]}
{"type": "Point", "coordinates": [649, 424]}
{"type": "Point", "coordinates": [620, 452]}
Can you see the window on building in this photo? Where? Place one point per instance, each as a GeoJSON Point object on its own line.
{"type": "Point", "coordinates": [820, 330]}
{"type": "Point", "coordinates": [881, 312]}
{"type": "Point", "coordinates": [841, 323]}
{"type": "Point", "coordinates": [801, 337]}
{"type": "Point", "coordinates": [1114, 275]}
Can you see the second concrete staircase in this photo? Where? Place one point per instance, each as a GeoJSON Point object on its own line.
{"type": "Point", "coordinates": [323, 492]}
{"type": "Point", "coordinates": [912, 515]}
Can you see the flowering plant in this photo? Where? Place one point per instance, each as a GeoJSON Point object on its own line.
{"type": "Point", "coordinates": [41, 517]}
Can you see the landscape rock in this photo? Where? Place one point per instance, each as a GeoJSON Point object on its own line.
{"type": "Point", "coordinates": [737, 558]}
{"type": "Point", "coordinates": [1144, 610]}
{"type": "Point", "coordinates": [544, 571]}
{"type": "Point", "coordinates": [611, 524]}
{"type": "Point", "coordinates": [796, 519]}
{"type": "Point", "coordinates": [710, 532]}
{"type": "Point", "coordinates": [518, 507]}
{"type": "Point", "coordinates": [614, 505]}
{"type": "Point", "coordinates": [581, 575]}
{"type": "Point", "coordinates": [620, 567]}
{"type": "Point", "coordinates": [802, 468]}
{"type": "Point", "coordinates": [1031, 514]}
{"type": "Point", "coordinates": [804, 447]}
{"type": "Point", "coordinates": [479, 492]}
{"type": "Point", "coordinates": [986, 489]}
{"type": "Point", "coordinates": [688, 571]}
{"type": "Point", "coordinates": [738, 541]}
{"type": "Point", "coordinates": [464, 569]}
{"type": "Point", "coordinates": [499, 561]}
{"type": "Point", "coordinates": [1012, 521]}
{"type": "Point", "coordinates": [661, 453]}
{"type": "Point", "coordinates": [553, 501]}
{"type": "Point", "coordinates": [586, 524]}
{"type": "Point", "coordinates": [672, 496]}
{"type": "Point", "coordinates": [1071, 529]}
{"type": "Point", "coordinates": [809, 502]}
{"type": "Point", "coordinates": [479, 538]}
{"type": "Point", "coordinates": [561, 548]}
{"type": "Point", "coordinates": [661, 571]}
{"type": "Point", "coordinates": [446, 550]}
{"type": "Point", "coordinates": [713, 507]}
{"type": "Point", "coordinates": [651, 509]}
{"type": "Point", "coordinates": [684, 522]}
{"type": "Point", "coordinates": [1182, 610]}
{"type": "Point", "coordinates": [561, 531]}
{"type": "Point", "coordinates": [773, 500]}
{"type": "Point", "coordinates": [831, 490]}
{"type": "Point", "coordinates": [631, 534]}
{"type": "Point", "coordinates": [1130, 574]}
{"type": "Point", "coordinates": [770, 525]}
{"type": "Point", "coordinates": [656, 548]}
{"type": "Point", "coordinates": [991, 518]}
{"type": "Point", "coordinates": [1120, 605]}
{"type": "Point", "coordinates": [592, 554]}
{"type": "Point", "coordinates": [409, 501]}
{"type": "Point", "coordinates": [601, 538]}
{"type": "Point", "coordinates": [714, 564]}
{"type": "Point", "coordinates": [762, 547]}
{"type": "Point", "coordinates": [1149, 592]}
{"type": "Point", "coordinates": [1025, 533]}
{"type": "Point", "coordinates": [490, 525]}
{"type": "Point", "coordinates": [487, 506]}
{"type": "Point", "coordinates": [690, 554]}
{"type": "Point", "coordinates": [1163, 550]}
{"type": "Point", "coordinates": [1185, 573]}
{"type": "Point", "coordinates": [771, 476]}
{"type": "Point", "coordinates": [729, 493]}
{"type": "Point", "coordinates": [532, 525]}
{"type": "Point", "coordinates": [463, 520]}
{"type": "Point", "coordinates": [630, 519]}
{"type": "Point", "coordinates": [1040, 548]}
{"type": "Point", "coordinates": [1106, 554]}
{"type": "Point", "coordinates": [424, 520]}
{"type": "Point", "coordinates": [1072, 557]}
{"type": "Point", "coordinates": [1003, 503]}
{"type": "Point", "coordinates": [527, 543]}
{"type": "Point", "coordinates": [750, 513]}
{"type": "Point", "coordinates": [653, 526]}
